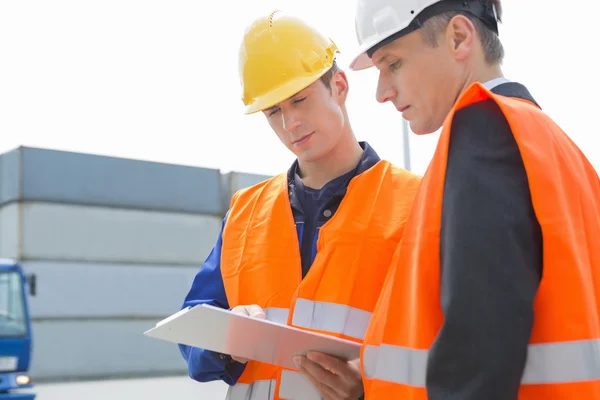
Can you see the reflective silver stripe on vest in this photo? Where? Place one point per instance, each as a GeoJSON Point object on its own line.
{"type": "Point", "coordinates": [296, 386]}
{"type": "Point", "coordinates": [259, 390]}
{"type": "Point", "coordinates": [560, 362]}
{"type": "Point", "coordinates": [395, 364]}
{"type": "Point", "coordinates": [331, 317]}
{"type": "Point", "coordinates": [278, 315]}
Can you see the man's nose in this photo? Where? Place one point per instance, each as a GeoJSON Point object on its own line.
{"type": "Point", "coordinates": [291, 122]}
{"type": "Point", "coordinates": [385, 92]}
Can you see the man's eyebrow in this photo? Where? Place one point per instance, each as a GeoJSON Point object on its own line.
{"type": "Point", "coordinates": [383, 58]}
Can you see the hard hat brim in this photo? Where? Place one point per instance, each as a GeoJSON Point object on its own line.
{"type": "Point", "coordinates": [360, 62]}
{"type": "Point", "coordinates": [284, 92]}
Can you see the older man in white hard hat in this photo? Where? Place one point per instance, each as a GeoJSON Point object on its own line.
{"type": "Point", "coordinates": [495, 292]}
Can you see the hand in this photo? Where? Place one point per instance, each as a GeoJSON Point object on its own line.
{"type": "Point", "coordinates": [335, 379]}
{"type": "Point", "coordinates": [253, 311]}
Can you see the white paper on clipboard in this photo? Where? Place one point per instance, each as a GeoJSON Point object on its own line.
{"type": "Point", "coordinates": [222, 331]}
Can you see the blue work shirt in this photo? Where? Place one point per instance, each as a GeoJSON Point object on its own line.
{"type": "Point", "coordinates": [311, 208]}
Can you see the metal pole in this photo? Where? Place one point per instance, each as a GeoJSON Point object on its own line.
{"type": "Point", "coordinates": [406, 144]}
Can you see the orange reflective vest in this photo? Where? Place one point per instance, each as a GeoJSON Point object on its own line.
{"type": "Point", "coordinates": [563, 359]}
{"type": "Point", "coordinates": [260, 264]}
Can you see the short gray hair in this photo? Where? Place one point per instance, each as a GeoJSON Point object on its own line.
{"type": "Point", "coordinates": [492, 47]}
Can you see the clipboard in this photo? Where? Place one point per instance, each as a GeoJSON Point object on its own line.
{"type": "Point", "coordinates": [219, 330]}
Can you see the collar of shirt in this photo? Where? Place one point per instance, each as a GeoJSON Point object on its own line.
{"type": "Point", "coordinates": [296, 189]}
{"type": "Point", "coordinates": [507, 88]}
{"type": "Point", "coordinates": [491, 84]}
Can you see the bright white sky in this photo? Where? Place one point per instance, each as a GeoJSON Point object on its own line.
{"type": "Point", "coordinates": [158, 80]}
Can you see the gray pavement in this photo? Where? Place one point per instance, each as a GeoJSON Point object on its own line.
{"type": "Point", "coordinates": [173, 388]}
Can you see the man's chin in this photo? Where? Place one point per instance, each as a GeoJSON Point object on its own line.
{"type": "Point", "coordinates": [309, 156]}
{"type": "Point", "coordinates": [420, 129]}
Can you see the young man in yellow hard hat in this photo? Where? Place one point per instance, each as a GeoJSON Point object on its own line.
{"type": "Point", "coordinates": [310, 247]}
{"type": "Point", "coordinates": [496, 290]}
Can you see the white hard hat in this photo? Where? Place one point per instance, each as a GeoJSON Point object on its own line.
{"type": "Point", "coordinates": [378, 22]}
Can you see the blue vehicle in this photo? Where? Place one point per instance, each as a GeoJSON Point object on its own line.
{"type": "Point", "coordinates": [15, 332]}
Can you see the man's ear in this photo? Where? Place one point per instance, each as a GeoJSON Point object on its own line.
{"type": "Point", "coordinates": [339, 86]}
{"type": "Point", "coordinates": [460, 36]}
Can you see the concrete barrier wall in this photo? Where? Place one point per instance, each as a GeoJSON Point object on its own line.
{"type": "Point", "coordinates": [44, 231]}
{"type": "Point", "coordinates": [234, 181]}
{"type": "Point", "coordinates": [77, 349]}
{"type": "Point", "coordinates": [30, 174]}
{"type": "Point", "coordinates": [115, 245]}
{"type": "Point", "coordinates": [93, 290]}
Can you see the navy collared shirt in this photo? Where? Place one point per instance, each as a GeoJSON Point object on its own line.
{"type": "Point", "coordinates": [314, 207]}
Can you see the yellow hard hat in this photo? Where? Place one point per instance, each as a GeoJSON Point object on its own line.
{"type": "Point", "coordinates": [280, 55]}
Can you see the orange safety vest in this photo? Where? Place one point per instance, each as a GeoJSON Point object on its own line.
{"type": "Point", "coordinates": [260, 264]}
{"type": "Point", "coordinates": [563, 359]}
